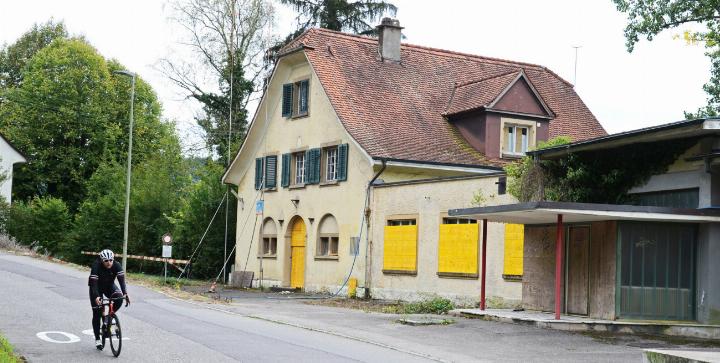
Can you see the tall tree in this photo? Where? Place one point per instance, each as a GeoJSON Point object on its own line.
{"type": "Point", "coordinates": [340, 15]}
{"type": "Point", "coordinates": [68, 114]}
{"type": "Point", "coordinates": [228, 38]}
{"type": "Point", "coordinates": [647, 18]}
{"type": "Point", "coordinates": [14, 58]}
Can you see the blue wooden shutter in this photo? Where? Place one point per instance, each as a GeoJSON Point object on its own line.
{"type": "Point", "coordinates": [285, 179]}
{"type": "Point", "coordinates": [303, 97]}
{"type": "Point", "coordinates": [287, 100]}
{"type": "Point", "coordinates": [314, 166]}
{"type": "Point", "coordinates": [271, 171]}
{"type": "Point", "coordinates": [308, 167]}
{"type": "Point", "coordinates": [258, 173]}
{"type": "Point", "coordinates": [342, 167]}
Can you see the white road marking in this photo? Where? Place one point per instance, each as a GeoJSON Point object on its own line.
{"type": "Point", "coordinates": [44, 336]}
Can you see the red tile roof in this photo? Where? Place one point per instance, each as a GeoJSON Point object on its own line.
{"type": "Point", "coordinates": [394, 110]}
{"type": "Point", "coordinates": [475, 94]}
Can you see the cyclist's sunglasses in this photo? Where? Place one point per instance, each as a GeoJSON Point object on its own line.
{"type": "Point", "coordinates": [107, 260]}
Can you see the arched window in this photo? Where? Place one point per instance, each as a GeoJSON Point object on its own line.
{"type": "Point", "coordinates": [328, 236]}
{"type": "Point", "coordinates": [269, 238]}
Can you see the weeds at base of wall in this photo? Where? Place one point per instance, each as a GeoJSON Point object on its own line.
{"type": "Point", "coordinates": [434, 305]}
{"type": "Point", "coordinates": [496, 302]}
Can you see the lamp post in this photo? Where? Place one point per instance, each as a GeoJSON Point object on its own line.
{"type": "Point", "coordinates": [129, 160]}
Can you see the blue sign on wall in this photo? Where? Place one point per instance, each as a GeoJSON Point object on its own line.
{"type": "Point", "coordinates": [259, 206]}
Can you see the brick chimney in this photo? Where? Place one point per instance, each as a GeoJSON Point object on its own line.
{"type": "Point", "coordinates": [389, 32]}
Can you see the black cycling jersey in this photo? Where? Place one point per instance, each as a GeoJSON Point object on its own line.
{"type": "Point", "coordinates": [103, 279]}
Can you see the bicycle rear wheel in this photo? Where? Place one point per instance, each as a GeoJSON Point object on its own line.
{"type": "Point", "coordinates": [115, 335]}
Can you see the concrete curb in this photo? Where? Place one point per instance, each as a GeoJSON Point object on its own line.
{"type": "Point", "coordinates": [680, 330]}
{"type": "Point", "coordinates": [680, 356]}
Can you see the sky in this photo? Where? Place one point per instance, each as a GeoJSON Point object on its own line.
{"type": "Point", "coordinates": [625, 91]}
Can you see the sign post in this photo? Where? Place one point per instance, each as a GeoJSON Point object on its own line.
{"type": "Point", "coordinates": [166, 250]}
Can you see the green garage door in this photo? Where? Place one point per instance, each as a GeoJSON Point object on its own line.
{"type": "Point", "coordinates": [656, 279]}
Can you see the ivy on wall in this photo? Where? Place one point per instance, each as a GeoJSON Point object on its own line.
{"type": "Point", "coordinates": [603, 176]}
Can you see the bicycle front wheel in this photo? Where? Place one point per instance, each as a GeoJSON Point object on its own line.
{"type": "Point", "coordinates": [115, 335]}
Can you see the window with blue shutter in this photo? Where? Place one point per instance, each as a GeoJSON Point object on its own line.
{"type": "Point", "coordinates": [287, 100]}
{"type": "Point", "coordinates": [308, 167]}
{"type": "Point", "coordinates": [285, 179]}
{"type": "Point", "coordinates": [303, 97]}
{"type": "Point", "coordinates": [258, 173]}
{"type": "Point", "coordinates": [270, 171]}
{"type": "Point", "coordinates": [342, 162]}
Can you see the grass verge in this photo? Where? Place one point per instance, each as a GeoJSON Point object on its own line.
{"type": "Point", "coordinates": [7, 354]}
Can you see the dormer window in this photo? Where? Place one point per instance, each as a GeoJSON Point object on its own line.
{"type": "Point", "coordinates": [517, 139]}
{"type": "Point", "coordinates": [295, 99]}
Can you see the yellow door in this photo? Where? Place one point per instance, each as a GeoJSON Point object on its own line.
{"type": "Point", "coordinates": [297, 255]}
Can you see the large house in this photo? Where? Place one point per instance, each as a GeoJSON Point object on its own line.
{"type": "Point", "coordinates": [9, 156]}
{"type": "Point", "coordinates": [360, 146]}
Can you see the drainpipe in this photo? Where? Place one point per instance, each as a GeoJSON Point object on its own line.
{"type": "Point", "coordinates": [367, 229]}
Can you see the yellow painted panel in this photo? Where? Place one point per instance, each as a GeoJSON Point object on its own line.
{"type": "Point", "coordinates": [297, 254]}
{"type": "Point", "coordinates": [297, 270]}
{"type": "Point", "coordinates": [458, 248]}
{"type": "Point", "coordinates": [514, 237]}
{"type": "Point", "coordinates": [297, 238]}
{"type": "Point", "coordinates": [400, 248]}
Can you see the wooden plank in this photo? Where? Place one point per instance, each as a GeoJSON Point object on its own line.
{"type": "Point", "coordinates": [145, 258]}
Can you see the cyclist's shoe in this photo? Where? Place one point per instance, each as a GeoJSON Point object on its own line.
{"type": "Point", "coordinates": [98, 344]}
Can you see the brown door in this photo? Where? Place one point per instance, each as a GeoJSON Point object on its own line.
{"type": "Point", "coordinates": [578, 254]}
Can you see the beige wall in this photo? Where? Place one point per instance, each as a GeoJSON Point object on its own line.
{"type": "Point", "coordinates": [429, 201]}
{"type": "Point", "coordinates": [277, 135]}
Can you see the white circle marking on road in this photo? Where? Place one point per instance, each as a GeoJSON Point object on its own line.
{"type": "Point", "coordinates": [44, 336]}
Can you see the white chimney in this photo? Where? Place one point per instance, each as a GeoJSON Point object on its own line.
{"type": "Point", "coordinates": [389, 32]}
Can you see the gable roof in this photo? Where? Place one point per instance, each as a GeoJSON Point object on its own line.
{"type": "Point", "coordinates": [24, 158]}
{"type": "Point", "coordinates": [486, 92]}
{"type": "Point", "coordinates": [395, 110]}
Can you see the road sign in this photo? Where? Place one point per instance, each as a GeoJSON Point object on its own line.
{"type": "Point", "coordinates": [167, 251]}
{"type": "Point", "coordinates": [166, 239]}
{"type": "Point", "coordinates": [259, 207]}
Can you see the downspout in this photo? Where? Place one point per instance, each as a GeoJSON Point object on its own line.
{"type": "Point", "coordinates": [368, 259]}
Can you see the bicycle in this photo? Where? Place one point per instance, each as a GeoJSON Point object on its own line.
{"type": "Point", "coordinates": [110, 328]}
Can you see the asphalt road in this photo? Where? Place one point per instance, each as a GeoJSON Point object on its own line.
{"type": "Point", "coordinates": [45, 313]}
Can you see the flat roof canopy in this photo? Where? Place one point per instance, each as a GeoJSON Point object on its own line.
{"type": "Point", "coordinates": [546, 213]}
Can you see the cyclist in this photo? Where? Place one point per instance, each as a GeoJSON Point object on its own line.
{"type": "Point", "coordinates": [102, 282]}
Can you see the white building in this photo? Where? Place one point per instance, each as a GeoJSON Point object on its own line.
{"type": "Point", "coordinates": [9, 156]}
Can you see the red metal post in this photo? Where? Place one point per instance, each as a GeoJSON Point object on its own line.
{"type": "Point", "coordinates": [484, 255]}
{"type": "Point", "coordinates": [558, 265]}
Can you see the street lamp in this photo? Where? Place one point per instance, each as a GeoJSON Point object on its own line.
{"type": "Point", "coordinates": [129, 160]}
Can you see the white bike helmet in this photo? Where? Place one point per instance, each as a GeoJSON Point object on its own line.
{"type": "Point", "coordinates": [107, 255]}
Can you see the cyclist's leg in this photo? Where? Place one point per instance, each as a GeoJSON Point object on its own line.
{"type": "Point", "coordinates": [97, 313]}
{"type": "Point", "coordinates": [117, 297]}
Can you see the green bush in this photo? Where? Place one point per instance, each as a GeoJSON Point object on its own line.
{"type": "Point", "coordinates": [432, 305]}
{"type": "Point", "coordinates": [43, 222]}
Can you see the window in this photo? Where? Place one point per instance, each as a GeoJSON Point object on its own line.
{"type": "Point", "coordinates": [296, 99]}
{"type": "Point", "coordinates": [513, 259]}
{"type": "Point", "coordinates": [458, 248]}
{"type": "Point", "coordinates": [269, 238]}
{"type": "Point", "coordinates": [266, 172]}
{"type": "Point", "coordinates": [517, 140]}
{"type": "Point", "coordinates": [299, 169]}
{"type": "Point", "coordinates": [400, 247]}
{"type": "Point", "coordinates": [331, 163]}
{"type": "Point", "coordinates": [328, 237]}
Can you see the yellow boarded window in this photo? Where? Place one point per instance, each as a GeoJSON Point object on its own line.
{"type": "Point", "coordinates": [514, 236]}
{"type": "Point", "coordinates": [458, 247]}
{"type": "Point", "coordinates": [400, 247]}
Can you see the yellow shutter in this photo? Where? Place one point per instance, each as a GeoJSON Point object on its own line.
{"type": "Point", "coordinates": [514, 236]}
{"type": "Point", "coordinates": [458, 249]}
{"type": "Point", "coordinates": [400, 249]}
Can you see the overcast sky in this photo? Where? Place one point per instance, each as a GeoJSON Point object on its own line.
{"type": "Point", "coordinates": [653, 85]}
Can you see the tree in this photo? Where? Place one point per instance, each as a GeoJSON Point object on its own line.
{"type": "Point", "coordinates": [193, 218]}
{"type": "Point", "coordinates": [69, 113]}
{"type": "Point", "coordinates": [647, 18]}
{"type": "Point", "coordinates": [15, 57]}
{"type": "Point", "coordinates": [229, 37]}
{"type": "Point", "coordinates": [340, 15]}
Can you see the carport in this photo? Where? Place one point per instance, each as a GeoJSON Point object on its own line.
{"type": "Point", "coordinates": [671, 234]}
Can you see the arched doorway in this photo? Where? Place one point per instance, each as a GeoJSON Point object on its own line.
{"type": "Point", "coordinates": [297, 253]}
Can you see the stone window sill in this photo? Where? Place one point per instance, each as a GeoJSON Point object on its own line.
{"type": "Point", "coordinates": [327, 258]}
